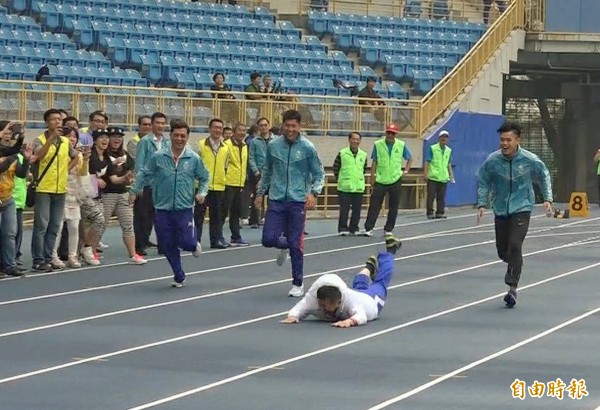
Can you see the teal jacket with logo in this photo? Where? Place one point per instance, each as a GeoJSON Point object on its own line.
{"type": "Point", "coordinates": [173, 185]}
{"type": "Point", "coordinates": [511, 182]}
{"type": "Point", "coordinates": [291, 170]}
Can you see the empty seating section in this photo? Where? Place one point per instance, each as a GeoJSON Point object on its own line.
{"type": "Point", "coordinates": [141, 43]}
{"type": "Point", "coordinates": [410, 49]}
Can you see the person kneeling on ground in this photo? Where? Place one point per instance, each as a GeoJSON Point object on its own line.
{"type": "Point", "coordinates": [330, 299]}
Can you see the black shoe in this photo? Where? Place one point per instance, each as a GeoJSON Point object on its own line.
{"type": "Point", "coordinates": [152, 245]}
{"type": "Point", "coordinates": [372, 265]}
{"type": "Point", "coordinates": [392, 244]}
{"type": "Point", "coordinates": [219, 245]}
{"type": "Point", "coordinates": [510, 299]}
{"type": "Point", "coordinates": [429, 216]}
{"type": "Point", "coordinates": [141, 252]}
{"type": "Point", "coordinates": [441, 217]}
{"type": "Point", "coordinates": [14, 272]}
{"type": "Point", "coordinates": [41, 267]}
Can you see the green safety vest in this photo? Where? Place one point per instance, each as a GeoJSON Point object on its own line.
{"type": "Point", "coordinates": [389, 165]}
{"type": "Point", "coordinates": [438, 167]}
{"type": "Point", "coordinates": [20, 190]}
{"type": "Point", "coordinates": [599, 167]}
{"type": "Point", "coordinates": [351, 178]}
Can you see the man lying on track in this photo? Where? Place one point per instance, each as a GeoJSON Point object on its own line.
{"type": "Point", "coordinates": [330, 299]}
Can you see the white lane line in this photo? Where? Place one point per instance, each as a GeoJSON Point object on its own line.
{"type": "Point", "coordinates": [350, 342]}
{"type": "Point", "coordinates": [227, 327]}
{"type": "Point", "coordinates": [216, 251]}
{"type": "Point", "coordinates": [221, 268]}
{"type": "Point", "coordinates": [483, 360]}
{"type": "Point", "coordinates": [221, 293]}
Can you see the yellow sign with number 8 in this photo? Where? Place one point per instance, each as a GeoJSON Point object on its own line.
{"type": "Point", "coordinates": [578, 205]}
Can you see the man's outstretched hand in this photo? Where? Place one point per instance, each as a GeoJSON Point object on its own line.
{"type": "Point", "coordinates": [289, 320]}
{"type": "Point", "coordinates": [343, 323]}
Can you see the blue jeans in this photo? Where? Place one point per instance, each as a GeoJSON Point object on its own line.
{"type": "Point", "coordinates": [8, 231]}
{"type": "Point", "coordinates": [47, 221]}
{"type": "Point", "coordinates": [378, 288]}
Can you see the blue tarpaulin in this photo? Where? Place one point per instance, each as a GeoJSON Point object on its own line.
{"type": "Point", "coordinates": [473, 137]}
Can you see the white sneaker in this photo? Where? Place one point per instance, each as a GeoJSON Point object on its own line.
{"type": "Point", "coordinates": [282, 258]}
{"type": "Point", "coordinates": [137, 260]}
{"type": "Point", "coordinates": [296, 291]}
{"type": "Point", "coordinates": [103, 245]}
{"type": "Point", "coordinates": [73, 263]}
{"type": "Point", "coordinates": [198, 250]}
{"type": "Point", "coordinates": [387, 233]}
{"type": "Point", "coordinates": [57, 263]}
{"type": "Point", "coordinates": [368, 233]}
{"type": "Point", "coordinates": [88, 256]}
{"type": "Point", "coordinates": [177, 284]}
{"type": "Point", "coordinates": [344, 233]}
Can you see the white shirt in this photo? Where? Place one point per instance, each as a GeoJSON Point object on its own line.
{"type": "Point", "coordinates": [356, 305]}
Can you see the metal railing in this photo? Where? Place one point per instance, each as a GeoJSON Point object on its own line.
{"type": "Point", "coordinates": [323, 115]}
{"type": "Point", "coordinates": [456, 9]}
{"type": "Point", "coordinates": [439, 99]}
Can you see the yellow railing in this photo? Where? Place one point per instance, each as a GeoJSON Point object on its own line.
{"type": "Point", "coordinates": [535, 15]}
{"type": "Point", "coordinates": [439, 99]}
{"type": "Point", "coordinates": [457, 9]}
{"type": "Point", "coordinates": [332, 115]}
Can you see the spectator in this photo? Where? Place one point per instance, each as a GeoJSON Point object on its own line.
{"type": "Point", "coordinates": [71, 122]}
{"type": "Point", "coordinates": [293, 187]}
{"type": "Point", "coordinates": [53, 155]}
{"type": "Point", "coordinates": [144, 128]}
{"type": "Point", "coordinates": [98, 120]}
{"type": "Point", "coordinates": [253, 90]}
{"type": "Point", "coordinates": [257, 157]}
{"type": "Point", "coordinates": [223, 90]}
{"type": "Point", "coordinates": [487, 5]}
{"type": "Point", "coordinates": [228, 133]}
{"type": "Point", "coordinates": [597, 161]}
{"type": "Point", "coordinates": [143, 210]}
{"type": "Point", "coordinates": [349, 169]}
{"type": "Point", "coordinates": [115, 198]}
{"type": "Point", "coordinates": [92, 211]}
{"type": "Point", "coordinates": [250, 187]}
{"type": "Point", "coordinates": [10, 170]}
{"type": "Point", "coordinates": [368, 95]}
{"type": "Point", "coordinates": [235, 178]}
{"type": "Point", "coordinates": [438, 172]}
{"type": "Point", "coordinates": [214, 154]}
{"type": "Point", "coordinates": [174, 217]}
{"type": "Point", "coordinates": [73, 197]}
{"type": "Point", "coordinates": [386, 178]}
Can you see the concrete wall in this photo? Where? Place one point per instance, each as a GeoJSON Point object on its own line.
{"type": "Point", "coordinates": [485, 94]}
{"type": "Point", "coordinates": [573, 16]}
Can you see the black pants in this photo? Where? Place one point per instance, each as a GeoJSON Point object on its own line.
{"type": "Point", "coordinates": [377, 197]}
{"type": "Point", "coordinates": [510, 234]}
{"type": "Point", "coordinates": [349, 200]}
{"type": "Point", "coordinates": [214, 202]}
{"type": "Point", "coordinates": [436, 190]}
{"type": "Point", "coordinates": [247, 198]}
{"type": "Point", "coordinates": [143, 219]}
{"type": "Point", "coordinates": [232, 206]}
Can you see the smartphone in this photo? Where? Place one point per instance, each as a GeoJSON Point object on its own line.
{"type": "Point", "coordinates": [17, 130]}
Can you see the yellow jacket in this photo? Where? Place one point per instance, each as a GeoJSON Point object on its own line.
{"type": "Point", "coordinates": [237, 167]}
{"type": "Point", "coordinates": [216, 164]}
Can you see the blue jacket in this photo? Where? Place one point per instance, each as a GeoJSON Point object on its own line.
{"type": "Point", "coordinates": [291, 171]}
{"type": "Point", "coordinates": [511, 182]}
{"type": "Point", "coordinates": [257, 153]}
{"type": "Point", "coordinates": [145, 148]}
{"type": "Point", "coordinates": [173, 186]}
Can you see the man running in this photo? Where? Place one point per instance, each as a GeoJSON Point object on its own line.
{"type": "Point", "coordinates": [330, 299]}
{"type": "Point", "coordinates": [508, 174]}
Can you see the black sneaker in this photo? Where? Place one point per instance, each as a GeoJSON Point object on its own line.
{"type": "Point", "coordinates": [14, 272]}
{"type": "Point", "coordinates": [438, 216]}
{"type": "Point", "coordinates": [392, 244]}
{"type": "Point", "coordinates": [510, 299]}
{"type": "Point", "coordinates": [41, 267]}
{"type": "Point", "coordinates": [372, 264]}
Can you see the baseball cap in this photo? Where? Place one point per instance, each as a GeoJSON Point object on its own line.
{"type": "Point", "coordinates": [392, 128]}
{"type": "Point", "coordinates": [444, 133]}
{"type": "Point", "coordinates": [116, 131]}
{"type": "Point", "coordinates": [99, 132]}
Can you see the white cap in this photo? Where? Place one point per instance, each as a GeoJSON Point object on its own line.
{"type": "Point", "coordinates": [444, 132]}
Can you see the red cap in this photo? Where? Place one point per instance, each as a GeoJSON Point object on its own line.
{"type": "Point", "coordinates": [392, 128]}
